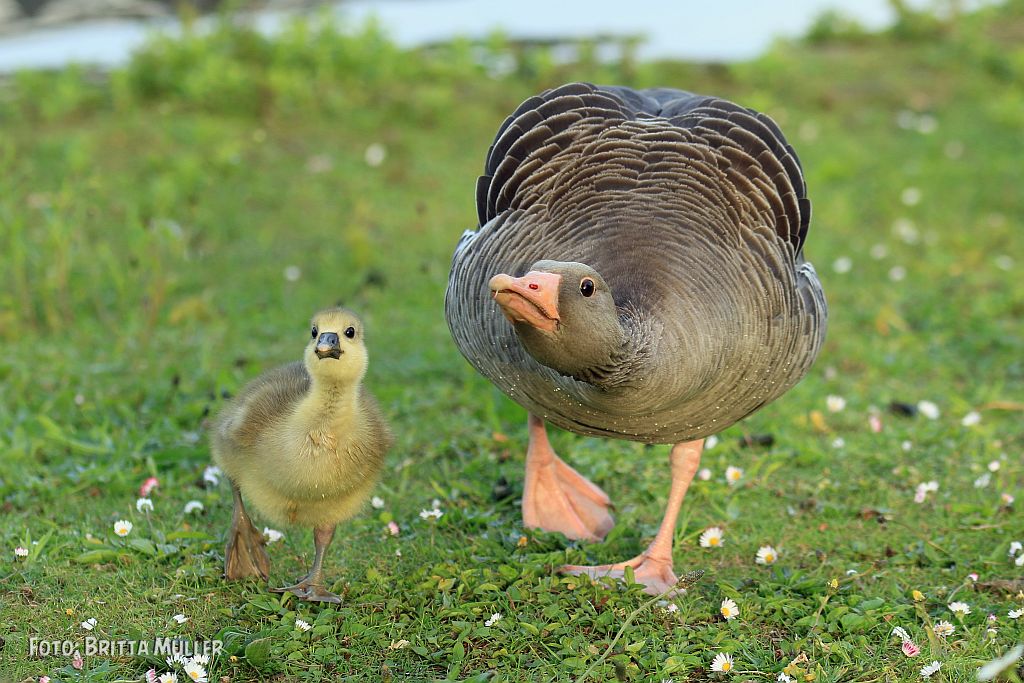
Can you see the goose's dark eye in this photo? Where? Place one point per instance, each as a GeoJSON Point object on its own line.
{"type": "Point", "coordinates": [587, 287]}
{"type": "Point", "coordinates": [315, 332]}
{"type": "Point", "coordinates": [350, 332]}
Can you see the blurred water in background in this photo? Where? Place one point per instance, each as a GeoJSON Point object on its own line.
{"type": "Point", "coordinates": [728, 30]}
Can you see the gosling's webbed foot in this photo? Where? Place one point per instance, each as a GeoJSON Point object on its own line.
{"type": "Point", "coordinates": [306, 589]}
{"type": "Point", "coordinates": [244, 555]}
{"type": "Point", "coordinates": [320, 594]}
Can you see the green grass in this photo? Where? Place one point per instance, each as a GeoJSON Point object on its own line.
{"type": "Point", "coordinates": [146, 222]}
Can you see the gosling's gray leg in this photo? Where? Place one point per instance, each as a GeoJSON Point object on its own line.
{"type": "Point", "coordinates": [244, 554]}
{"type": "Point", "coordinates": [311, 587]}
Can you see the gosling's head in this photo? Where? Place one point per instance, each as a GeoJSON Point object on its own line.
{"type": "Point", "coordinates": [335, 352]}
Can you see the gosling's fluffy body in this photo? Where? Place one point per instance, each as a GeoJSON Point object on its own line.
{"type": "Point", "coordinates": [305, 442]}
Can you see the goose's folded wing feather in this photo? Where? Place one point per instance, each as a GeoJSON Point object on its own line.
{"type": "Point", "coordinates": [750, 142]}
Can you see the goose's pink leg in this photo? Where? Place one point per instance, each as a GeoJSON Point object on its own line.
{"type": "Point", "coordinates": [556, 497]}
{"type": "Point", "coordinates": [653, 567]}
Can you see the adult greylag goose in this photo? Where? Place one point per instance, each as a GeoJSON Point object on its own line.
{"type": "Point", "coordinates": [305, 444]}
{"type": "Point", "coordinates": [637, 273]}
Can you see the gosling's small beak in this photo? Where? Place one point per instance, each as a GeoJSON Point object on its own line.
{"type": "Point", "coordinates": [328, 346]}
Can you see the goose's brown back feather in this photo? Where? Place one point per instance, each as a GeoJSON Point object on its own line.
{"type": "Point", "coordinates": [694, 211]}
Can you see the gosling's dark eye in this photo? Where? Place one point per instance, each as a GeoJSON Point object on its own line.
{"type": "Point", "coordinates": [587, 287]}
{"type": "Point", "coordinates": [350, 332]}
{"type": "Point", "coordinates": [315, 332]}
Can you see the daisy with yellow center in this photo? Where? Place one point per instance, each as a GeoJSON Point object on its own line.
{"type": "Point", "coordinates": [722, 662]}
{"type": "Point", "coordinates": [959, 609]}
{"type": "Point", "coordinates": [766, 555]}
{"type": "Point", "coordinates": [733, 474]}
{"type": "Point", "coordinates": [729, 609]}
{"type": "Point", "coordinates": [196, 672]}
{"type": "Point", "coordinates": [122, 527]}
{"type": "Point", "coordinates": [835, 404]}
{"type": "Point", "coordinates": [711, 538]}
{"type": "Point", "coordinates": [944, 628]}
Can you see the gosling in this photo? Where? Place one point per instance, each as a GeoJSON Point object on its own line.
{"type": "Point", "coordinates": [304, 444]}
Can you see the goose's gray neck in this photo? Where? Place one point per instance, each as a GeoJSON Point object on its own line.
{"type": "Point", "coordinates": [629, 362]}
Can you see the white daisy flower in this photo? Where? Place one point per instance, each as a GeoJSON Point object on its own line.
{"type": "Point", "coordinates": [180, 618]}
{"type": "Point", "coordinates": [994, 466]}
{"type": "Point", "coordinates": [920, 493]}
{"type": "Point", "coordinates": [1015, 613]}
{"type": "Point", "coordinates": [843, 264]}
{"type": "Point", "coordinates": [212, 475]}
{"type": "Point", "coordinates": [901, 633]}
{"type": "Point", "coordinates": [711, 538]}
{"type": "Point", "coordinates": [195, 672]}
{"type": "Point", "coordinates": [704, 474]}
{"type": "Point", "coordinates": [766, 555]}
{"type": "Point", "coordinates": [729, 610]}
{"type": "Point", "coordinates": [122, 527]}
{"type": "Point", "coordinates": [710, 442]}
{"type": "Point", "coordinates": [835, 403]}
{"type": "Point", "coordinates": [144, 504]}
{"type": "Point", "coordinates": [928, 669]}
{"type": "Point", "coordinates": [427, 514]}
{"type": "Point", "coordinates": [272, 535]}
{"type": "Point", "coordinates": [375, 155]}
{"type": "Point", "coordinates": [970, 419]}
{"type": "Point", "coordinates": [897, 273]}
{"type": "Point", "coordinates": [89, 624]}
{"type": "Point", "coordinates": [1015, 547]}
{"type": "Point", "coordinates": [784, 677]}
{"type": "Point", "coordinates": [960, 609]}
{"type": "Point", "coordinates": [928, 409]}
{"type": "Point", "coordinates": [201, 659]}
{"type": "Point", "coordinates": [906, 230]}
{"type": "Point", "coordinates": [398, 644]}
{"type": "Point", "coordinates": [983, 481]}
{"type": "Point", "coordinates": [722, 662]}
{"type": "Point", "coordinates": [177, 660]}
{"type": "Point", "coordinates": [495, 618]}
{"type": "Point", "coordinates": [910, 196]}
{"type": "Point", "coordinates": [733, 474]}
{"type": "Point", "coordinates": [377, 502]}
{"type": "Point", "coordinates": [944, 629]}
{"type": "Point", "coordinates": [838, 442]}
{"type": "Point", "coordinates": [21, 552]}
{"type": "Point", "coordinates": [302, 625]}
{"type": "Point", "coordinates": [1007, 499]}
{"type": "Point", "coordinates": [193, 506]}
{"type": "Point", "coordinates": [168, 678]}
{"type": "Point", "coordinates": [292, 273]}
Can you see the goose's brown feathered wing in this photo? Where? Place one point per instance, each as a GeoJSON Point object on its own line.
{"type": "Point", "coordinates": [693, 209]}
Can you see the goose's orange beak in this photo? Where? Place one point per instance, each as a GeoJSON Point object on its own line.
{"type": "Point", "coordinates": [530, 299]}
